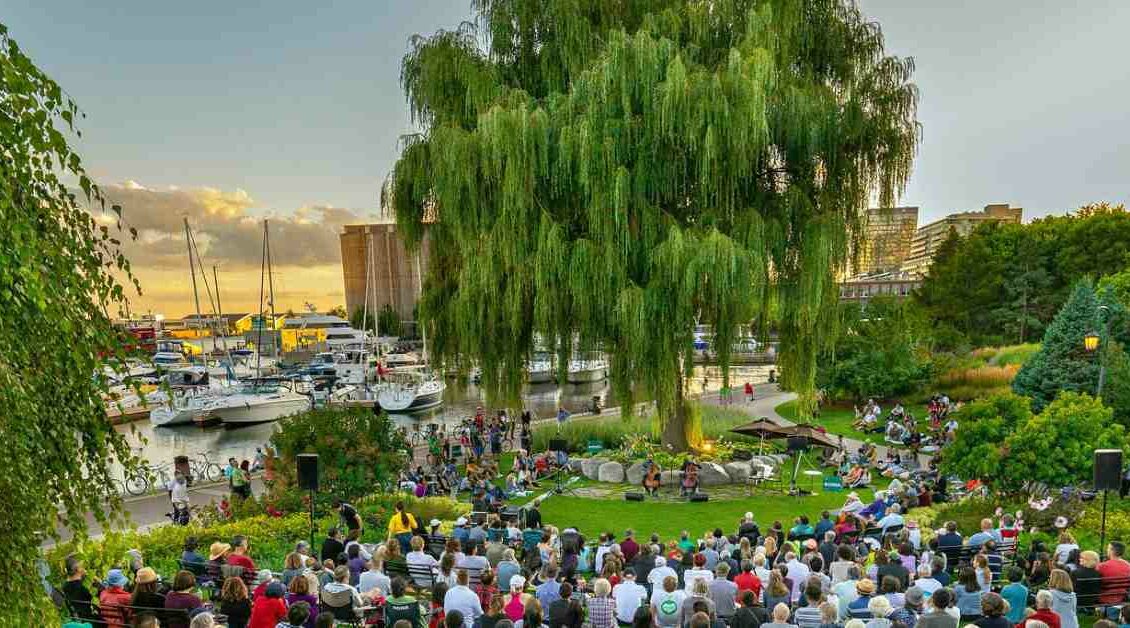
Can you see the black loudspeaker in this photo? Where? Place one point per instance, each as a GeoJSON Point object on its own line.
{"type": "Point", "coordinates": [798, 443]}
{"type": "Point", "coordinates": [558, 444]}
{"type": "Point", "coordinates": [1108, 469]}
{"type": "Point", "coordinates": [700, 497]}
{"type": "Point", "coordinates": [510, 513]}
{"type": "Point", "coordinates": [633, 497]}
{"type": "Point", "coordinates": [308, 472]}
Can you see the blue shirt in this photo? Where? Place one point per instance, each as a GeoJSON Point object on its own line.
{"type": "Point", "coordinates": [823, 526]}
{"type": "Point", "coordinates": [460, 534]}
{"type": "Point", "coordinates": [1016, 595]}
{"type": "Point", "coordinates": [979, 539]}
{"type": "Point", "coordinates": [548, 593]}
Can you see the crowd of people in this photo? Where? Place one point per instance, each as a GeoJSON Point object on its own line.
{"type": "Point", "coordinates": [866, 566]}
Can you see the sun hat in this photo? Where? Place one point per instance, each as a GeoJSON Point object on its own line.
{"type": "Point", "coordinates": [264, 575]}
{"type": "Point", "coordinates": [115, 578]}
{"type": "Point", "coordinates": [434, 522]}
{"type": "Point", "coordinates": [517, 582]}
{"type": "Point", "coordinates": [218, 550]}
{"type": "Point", "coordinates": [461, 521]}
{"type": "Point", "coordinates": [145, 575]}
{"type": "Point", "coordinates": [915, 596]}
{"type": "Point", "coordinates": [865, 586]}
{"type": "Point", "coordinates": [853, 495]}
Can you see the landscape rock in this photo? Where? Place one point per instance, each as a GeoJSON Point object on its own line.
{"type": "Point", "coordinates": [738, 471]}
{"type": "Point", "coordinates": [635, 473]}
{"type": "Point", "coordinates": [591, 467]}
{"type": "Point", "coordinates": [576, 465]}
{"type": "Point", "coordinates": [712, 474]}
{"type": "Point", "coordinates": [611, 472]}
{"type": "Point", "coordinates": [669, 478]}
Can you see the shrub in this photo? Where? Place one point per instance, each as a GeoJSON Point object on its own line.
{"type": "Point", "coordinates": [358, 451]}
{"type": "Point", "coordinates": [979, 377]}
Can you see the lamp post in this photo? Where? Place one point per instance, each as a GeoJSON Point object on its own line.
{"type": "Point", "coordinates": [1092, 343]}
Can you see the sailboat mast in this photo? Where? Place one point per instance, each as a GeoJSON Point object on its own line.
{"type": "Point", "coordinates": [192, 272]}
{"type": "Point", "coordinates": [271, 282]}
{"type": "Point", "coordinates": [259, 334]}
{"type": "Point", "coordinates": [220, 313]}
{"type": "Point", "coordinates": [419, 295]}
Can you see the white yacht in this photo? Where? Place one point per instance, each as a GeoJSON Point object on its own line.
{"type": "Point", "coordinates": [258, 403]}
{"type": "Point", "coordinates": [193, 394]}
{"type": "Point", "coordinates": [540, 370]}
{"type": "Point", "coordinates": [585, 371]}
{"type": "Point", "coordinates": [410, 391]}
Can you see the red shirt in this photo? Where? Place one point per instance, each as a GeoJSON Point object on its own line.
{"type": "Point", "coordinates": [241, 560]}
{"type": "Point", "coordinates": [748, 581]}
{"type": "Point", "coordinates": [1118, 571]}
{"type": "Point", "coordinates": [1046, 615]}
{"type": "Point", "coordinates": [267, 612]}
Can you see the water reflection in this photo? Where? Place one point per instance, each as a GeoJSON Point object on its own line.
{"type": "Point", "coordinates": [161, 444]}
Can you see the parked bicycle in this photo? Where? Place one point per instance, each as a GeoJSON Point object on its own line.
{"type": "Point", "coordinates": [202, 468]}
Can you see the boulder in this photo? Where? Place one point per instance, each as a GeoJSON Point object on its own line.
{"type": "Point", "coordinates": [611, 472]}
{"type": "Point", "coordinates": [738, 471]}
{"type": "Point", "coordinates": [670, 478]}
{"type": "Point", "coordinates": [635, 473]}
{"type": "Point", "coordinates": [591, 467]}
{"type": "Point", "coordinates": [765, 460]}
{"type": "Point", "coordinates": [576, 465]}
{"type": "Point", "coordinates": [712, 474]}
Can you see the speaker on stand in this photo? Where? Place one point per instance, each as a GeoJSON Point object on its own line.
{"type": "Point", "coordinates": [308, 480]}
{"type": "Point", "coordinates": [1108, 477]}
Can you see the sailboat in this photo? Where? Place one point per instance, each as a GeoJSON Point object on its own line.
{"type": "Point", "coordinates": [587, 370]}
{"type": "Point", "coordinates": [260, 401]}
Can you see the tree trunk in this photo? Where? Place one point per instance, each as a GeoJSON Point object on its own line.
{"type": "Point", "coordinates": [675, 428]}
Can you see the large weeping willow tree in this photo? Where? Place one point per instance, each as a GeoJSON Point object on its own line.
{"type": "Point", "coordinates": [606, 174]}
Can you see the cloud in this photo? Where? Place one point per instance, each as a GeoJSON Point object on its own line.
{"type": "Point", "coordinates": [228, 232]}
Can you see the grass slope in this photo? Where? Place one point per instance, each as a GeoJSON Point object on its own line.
{"type": "Point", "coordinates": [835, 420]}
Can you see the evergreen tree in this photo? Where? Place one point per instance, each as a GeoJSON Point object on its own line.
{"type": "Point", "coordinates": [1063, 363]}
{"type": "Point", "coordinates": [607, 175]}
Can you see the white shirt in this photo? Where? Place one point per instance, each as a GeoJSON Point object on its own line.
{"type": "Point", "coordinates": [798, 573]}
{"type": "Point", "coordinates": [658, 575]}
{"type": "Point", "coordinates": [460, 598]}
{"type": "Point", "coordinates": [629, 596]}
{"type": "Point", "coordinates": [657, 598]}
{"type": "Point", "coordinates": [598, 562]}
{"type": "Point", "coordinates": [179, 492]}
{"type": "Point", "coordinates": [928, 585]}
{"type": "Point", "coordinates": [690, 575]}
{"type": "Point", "coordinates": [370, 580]}
{"type": "Point", "coordinates": [420, 558]}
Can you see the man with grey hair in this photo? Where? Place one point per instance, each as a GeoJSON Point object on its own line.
{"type": "Point", "coordinates": [926, 580]}
{"type": "Point", "coordinates": [892, 519]}
{"type": "Point", "coordinates": [723, 592]}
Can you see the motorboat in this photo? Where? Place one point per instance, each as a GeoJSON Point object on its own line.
{"type": "Point", "coordinates": [410, 391]}
{"type": "Point", "coordinates": [193, 393]}
{"type": "Point", "coordinates": [258, 402]}
{"type": "Point", "coordinates": [338, 338]}
{"type": "Point", "coordinates": [587, 371]}
{"type": "Point", "coordinates": [355, 366]}
{"type": "Point", "coordinates": [401, 360]}
{"type": "Point", "coordinates": [166, 360]}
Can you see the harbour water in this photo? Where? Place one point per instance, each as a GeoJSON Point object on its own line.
{"type": "Point", "coordinates": [161, 444]}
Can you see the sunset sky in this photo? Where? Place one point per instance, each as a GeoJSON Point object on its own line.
{"type": "Point", "coordinates": [229, 112]}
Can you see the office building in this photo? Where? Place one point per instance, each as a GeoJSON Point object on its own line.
{"type": "Point", "coordinates": [888, 233]}
{"type": "Point", "coordinates": [930, 237]}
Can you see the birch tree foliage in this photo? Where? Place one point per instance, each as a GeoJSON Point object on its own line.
{"type": "Point", "coordinates": [606, 174]}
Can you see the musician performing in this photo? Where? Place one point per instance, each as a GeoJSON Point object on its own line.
{"type": "Point", "coordinates": [690, 476]}
{"type": "Point", "coordinates": [651, 478]}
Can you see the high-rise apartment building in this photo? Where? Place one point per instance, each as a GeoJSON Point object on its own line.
{"type": "Point", "coordinates": [930, 237]}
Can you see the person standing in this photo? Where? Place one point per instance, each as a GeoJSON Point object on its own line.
{"type": "Point", "coordinates": [562, 417]}
{"type": "Point", "coordinates": [178, 497]}
{"type": "Point", "coordinates": [748, 392]}
{"type": "Point", "coordinates": [400, 527]}
{"type": "Point", "coordinates": [350, 519]}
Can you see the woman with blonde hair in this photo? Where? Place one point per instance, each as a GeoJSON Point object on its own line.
{"type": "Point", "coordinates": [776, 591]}
{"type": "Point", "coordinates": [1063, 550]}
{"type": "Point", "coordinates": [744, 551]}
{"type": "Point", "coordinates": [1064, 600]}
{"type": "Point", "coordinates": [770, 549]}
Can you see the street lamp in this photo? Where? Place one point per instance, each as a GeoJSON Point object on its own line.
{"type": "Point", "coordinates": [1091, 343]}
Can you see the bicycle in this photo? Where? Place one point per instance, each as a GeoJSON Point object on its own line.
{"type": "Point", "coordinates": [203, 468]}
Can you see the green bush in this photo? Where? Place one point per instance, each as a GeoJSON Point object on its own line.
{"type": "Point", "coordinates": [358, 451]}
{"type": "Point", "coordinates": [271, 538]}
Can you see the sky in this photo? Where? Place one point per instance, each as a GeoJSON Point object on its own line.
{"type": "Point", "coordinates": [229, 112]}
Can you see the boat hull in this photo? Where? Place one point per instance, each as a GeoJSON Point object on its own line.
{"type": "Point", "coordinates": [409, 399]}
{"type": "Point", "coordinates": [588, 375]}
{"type": "Point", "coordinates": [260, 411]}
{"type": "Point", "coordinates": [167, 417]}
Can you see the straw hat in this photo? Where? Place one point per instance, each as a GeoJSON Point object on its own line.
{"type": "Point", "coordinates": [865, 587]}
{"type": "Point", "coordinates": [218, 550]}
{"type": "Point", "coordinates": [145, 575]}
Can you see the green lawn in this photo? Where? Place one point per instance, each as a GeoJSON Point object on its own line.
{"type": "Point", "coordinates": [592, 516]}
{"type": "Point", "coordinates": [835, 420]}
